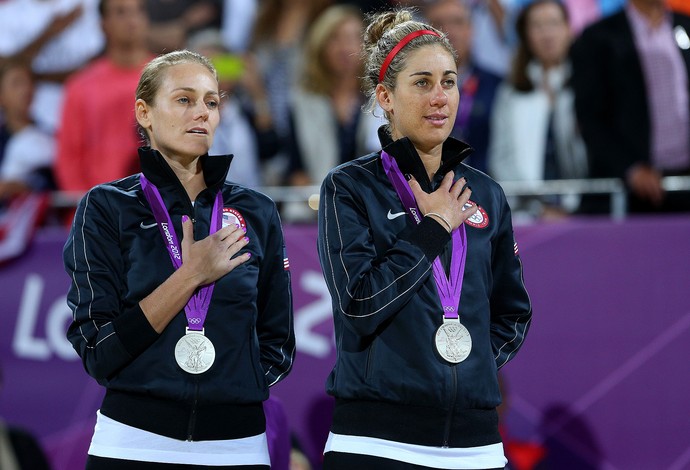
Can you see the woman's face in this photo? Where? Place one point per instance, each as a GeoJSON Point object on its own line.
{"type": "Point", "coordinates": [184, 116]}
{"type": "Point", "coordinates": [548, 34]}
{"type": "Point", "coordinates": [425, 100]}
{"type": "Point", "coordinates": [16, 91]}
{"type": "Point", "coordinates": [341, 52]}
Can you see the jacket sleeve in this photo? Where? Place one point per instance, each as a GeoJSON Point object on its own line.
{"type": "Point", "coordinates": [106, 335]}
{"type": "Point", "coordinates": [275, 325]}
{"type": "Point", "coordinates": [511, 309]}
{"type": "Point", "coordinates": [368, 287]}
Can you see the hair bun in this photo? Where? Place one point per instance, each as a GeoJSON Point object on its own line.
{"type": "Point", "coordinates": [379, 23]}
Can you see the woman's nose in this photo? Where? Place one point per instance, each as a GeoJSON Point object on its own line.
{"type": "Point", "coordinates": [201, 111]}
{"type": "Point", "coordinates": [439, 96]}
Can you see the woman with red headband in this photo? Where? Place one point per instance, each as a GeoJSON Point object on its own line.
{"type": "Point", "coordinates": [423, 271]}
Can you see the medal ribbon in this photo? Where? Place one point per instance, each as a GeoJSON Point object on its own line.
{"type": "Point", "coordinates": [197, 306]}
{"type": "Point", "coordinates": [448, 287]}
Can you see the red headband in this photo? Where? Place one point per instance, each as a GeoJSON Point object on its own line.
{"type": "Point", "coordinates": [403, 42]}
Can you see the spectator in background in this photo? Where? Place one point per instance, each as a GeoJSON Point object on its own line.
{"type": "Point", "coordinates": [58, 37]}
{"type": "Point", "coordinates": [173, 21]}
{"type": "Point", "coordinates": [328, 124]}
{"type": "Point", "coordinates": [246, 125]}
{"type": "Point", "coordinates": [477, 86]}
{"type": "Point", "coordinates": [277, 42]}
{"type": "Point", "coordinates": [26, 150]}
{"type": "Point", "coordinates": [534, 134]}
{"type": "Point", "coordinates": [19, 449]}
{"type": "Point", "coordinates": [630, 76]}
{"type": "Point", "coordinates": [97, 140]}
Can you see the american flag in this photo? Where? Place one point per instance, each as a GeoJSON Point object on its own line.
{"type": "Point", "coordinates": [18, 220]}
{"type": "Point", "coordinates": [286, 261]}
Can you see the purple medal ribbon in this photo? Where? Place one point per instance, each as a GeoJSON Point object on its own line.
{"type": "Point", "coordinates": [197, 306]}
{"type": "Point", "coordinates": [448, 287]}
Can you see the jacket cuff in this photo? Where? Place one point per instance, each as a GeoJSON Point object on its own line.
{"type": "Point", "coordinates": [430, 236]}
{"type": "Point", "coordinates": [135, 331]}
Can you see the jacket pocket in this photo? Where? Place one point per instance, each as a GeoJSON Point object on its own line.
{"type": "Point", "coordinates": [254, 352]}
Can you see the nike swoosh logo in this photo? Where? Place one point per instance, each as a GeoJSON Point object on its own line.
{"type": "Point", "coordinates": [145, 226]}
{"type": "Point", "coordinates": [392, 216]}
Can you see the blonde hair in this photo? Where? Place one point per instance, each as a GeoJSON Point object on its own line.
{"type": "Point", "coordinates": [316, 77]}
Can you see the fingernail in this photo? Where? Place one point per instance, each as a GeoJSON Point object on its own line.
{"type": "Point", "coordinates": [185, 218]}
{"type": "Point", "coordinates": [249, 255]}
{"type": "Point", "coordinates": [408, 176]}
{"type": "Point", "coordinates": [246, 239]}
{"type": "Point", "coordinates": [244, 229]}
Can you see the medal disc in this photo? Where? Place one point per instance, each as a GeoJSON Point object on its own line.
{"type": "Point", "coordinates": [453, 341]}
{"type": "Point", "coordinates": [195, 353]}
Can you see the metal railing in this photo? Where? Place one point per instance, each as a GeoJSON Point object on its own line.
{"type": "Point", "coordinates": [604, 186]}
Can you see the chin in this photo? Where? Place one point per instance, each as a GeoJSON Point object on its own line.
{"type": "Point", "coordinates": [199, 150]}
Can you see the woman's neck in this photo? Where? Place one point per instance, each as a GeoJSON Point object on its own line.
{"type": "Point", "coordinates": [431, 157]}
{"type": "Point", "coordinates": [190, 175]}
{"type": "Point", "coordinates": [431, 161]}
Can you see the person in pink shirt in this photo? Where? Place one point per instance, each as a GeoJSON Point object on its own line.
{"type": "Point", "coordinates": [632, 99]}
{"type": "Point", "coordinates": [97, 140]}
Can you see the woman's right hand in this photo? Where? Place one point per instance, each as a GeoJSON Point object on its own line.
{"type": "Point", "coordinates": [209, 259]}
{"type": "Point", "coordinates": [448, 200]}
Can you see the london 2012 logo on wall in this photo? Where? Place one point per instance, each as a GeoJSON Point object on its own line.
{"type": "Point", "coordinates": [479, 219]}
{"type": "Point", "coordinates": [233, 216]}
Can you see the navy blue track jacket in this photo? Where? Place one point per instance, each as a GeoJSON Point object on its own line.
{"type": "Point", "coordinates": [388, 379]}
{"type": "Point", "coordinates": [116, 256]}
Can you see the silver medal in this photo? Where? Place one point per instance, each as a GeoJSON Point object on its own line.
{"type": "Point", "coordinates": [453, 341]}
{"type": "Point", "coordinates": [194, 352]}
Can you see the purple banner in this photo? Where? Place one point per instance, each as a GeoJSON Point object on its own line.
{"type": "Point", "coordinates": [599, 384]}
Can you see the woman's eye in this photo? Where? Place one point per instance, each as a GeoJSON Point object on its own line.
{"type": "Point", "coordinates": [183, 100]}
{"type": "Point", "coordinates": [212, 104]}
{"type": "Point", "coordinates": [450, 83]}
{"type": "Point", "coordinates": [420, 83]}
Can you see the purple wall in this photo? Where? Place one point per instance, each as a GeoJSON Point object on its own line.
{"type": "Point", "coordinates": [601, 381]}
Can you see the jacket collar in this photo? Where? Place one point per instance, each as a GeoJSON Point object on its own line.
{"type": "Point", "coordinates": [454, 151]}
{"type": "Point", "coordinates": [156, 169]}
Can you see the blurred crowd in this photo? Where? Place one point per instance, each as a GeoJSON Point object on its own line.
{"type": "Point", "coordinates": [550, 90]}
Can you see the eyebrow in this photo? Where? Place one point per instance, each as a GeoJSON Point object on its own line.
{"type": "Point", "coordinates": [193, 90]}
{"type": "Point", "coordinates": [428, 74]}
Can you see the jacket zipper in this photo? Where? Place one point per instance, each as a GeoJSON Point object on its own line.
{"type": "Point", "coordinates": [192, 414]}
{"type": "Point", "coordinates": [453, 397]}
